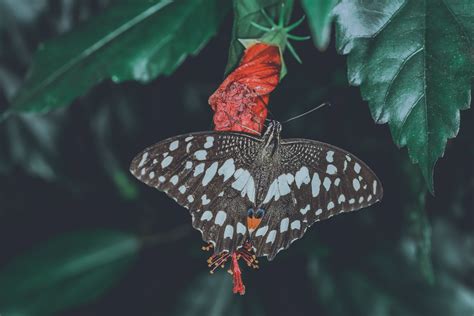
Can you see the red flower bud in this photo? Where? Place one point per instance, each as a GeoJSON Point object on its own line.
{"type": "Point", "coordinates": [240, 101]}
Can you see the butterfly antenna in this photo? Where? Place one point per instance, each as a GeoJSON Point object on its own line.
{"type": "Point", "coordinates": [250, 129]}
{"type": "Point", "coordinates": [307, 112]}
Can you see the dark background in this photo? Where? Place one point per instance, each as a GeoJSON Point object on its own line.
{"type": "Point", "coordinates": [67, 171]}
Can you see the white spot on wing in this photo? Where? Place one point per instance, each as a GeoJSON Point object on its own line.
{"type": "Point", "coordinates": [305, 210]}
{"type": "Point", "coordinates": [205, 200]}
{"type": "Point", "coordinates": [302, 176]}
{"type": "Point", "coordinates": [227, 169]}
{"type": "Point", "coordinates": [187, 139]}
{"type": "Point", "coordinates": [241, 229]}
{"type": "Point", "coordinates": [330, 205]}
{"type": "Point", "coordinates": [330, 156]}
{"type": "Point", "coordinates": [162, 179]}
{"type": "Point", "coordinates": [206, 216]}
{"type": "Point", "coordinates": [341, 198]}
{"type": "Point", "coordinates": [228, 232]}
{"type": "Point", "coordinates": [199, 169]}
{"type": "Point", "coordinates": [261, 231]}
{"type": "Point", "coordinates": [200, 154]}
{"type": "Point", "coordinates": [182, 189]}
{"type": "Point", "coordinates": [241, 178]}
{"type": "Point", "coordinates": [271, 237]}
{"type": "Point", "coordinates": [356, 184]}
{"type": "Point", "coordinates": [283, 185]}
{"type": "Point", "coordinates": [144, 158]}
{"type": "Point", "coordinates": [327, 183]}
{"type": "Point", "coordinates": [174, 145]}
{"type": "Point", "coordinates": [166, 162]}
{"type": "Point", "coordinates": [319, 212]}
{"type": "Point", "coordinates": [315, 185]}
{"type": "Point", "coordinates": [250, 189]}
{"type": "Point", "coordinates": [210, 173]}
{"type": "Point", "coordinates": [209, 142]}
{"type": "Point", "coordinates": [374, 186]}
{"type": "Point", "coordinates": [188, 165]}
{"type": "Point", "coordinates": [220, 218]}
{"type": "Point", "coordinates": [331, 169]}
{"type": "Point", "coordinates": [284, 224]}
{"type": "Point", "coordinates": [174, 179]}
{"type": "Point", "coordinates": [356, 167]}
{"type": "Point", "coordinates": [190, 198]}
{"type": "Point", "coordinates": [296, 224]}
{"type": "Point", "coordinates": [151, 175]}
{"type": "Point", "coordinates": [272, 191]}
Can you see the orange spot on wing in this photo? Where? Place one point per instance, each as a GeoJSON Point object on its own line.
{"type": "Point", "coordinates": [252, 223]}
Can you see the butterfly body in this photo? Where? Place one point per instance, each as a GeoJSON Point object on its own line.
{"type": "Point", "coordinates": [265, 190]}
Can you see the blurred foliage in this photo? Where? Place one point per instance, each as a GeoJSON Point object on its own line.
{"type": "Point", "coordinates": [65, 272]}
{"type": "Point", "coordinates": [319, 14]}
{"type": "Point", "coordinates": [68, 205]}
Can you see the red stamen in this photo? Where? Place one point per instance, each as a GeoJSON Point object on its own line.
{"type": "Point", "coordinates": [220, 259]}
{"type": "Point", "coordinates": [239, 286]}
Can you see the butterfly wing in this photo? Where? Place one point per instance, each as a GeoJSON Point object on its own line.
{"type": "Point", "coordinates": [200, 171]}
{"type": "Point", "coordinates": [314, 182]}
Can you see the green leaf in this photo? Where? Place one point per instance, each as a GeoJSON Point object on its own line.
{"type": "Point", "coordinates": [413, 61]}
{"type": "Point", "coordinates": [246, 12]}
{"type": "Point", "coordinates": [319, 19]}
{"type": "Point", "coordinates": [65, 272]}
{"type": "Point", "coordinates": [132, 40]}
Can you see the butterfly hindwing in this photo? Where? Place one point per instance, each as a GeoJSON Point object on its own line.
{"type": "Point", "coordinates": [198, 171]}
{"type": "Point", "coordinates": [315, 181]}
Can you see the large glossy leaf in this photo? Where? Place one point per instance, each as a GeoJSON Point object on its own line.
{"type": "Point", "coordinates": [414, 62]}
{"type": "Point", "coordinates": [132, 40]}
{"type": "Point", "coordinates": [65, 272]}
{"type": "Point", "coordinates": [319, 14]}
{"type": "Point", "coordinates": [246, 12]}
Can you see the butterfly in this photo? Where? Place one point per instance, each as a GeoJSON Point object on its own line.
{"type": "Point", "coordinates": [260, 189]}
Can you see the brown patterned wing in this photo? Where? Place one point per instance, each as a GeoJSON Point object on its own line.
{"type": "Point", "coordinates": [208, 174]}
{"type": "Point", "coordinates": [314, 182]}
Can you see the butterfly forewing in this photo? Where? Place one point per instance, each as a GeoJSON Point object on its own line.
{"type": "Point", "coordinates": [315, 181]}
{"type": "Point", "coordinates": [197, 170]}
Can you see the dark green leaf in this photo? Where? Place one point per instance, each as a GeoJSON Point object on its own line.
{"type": "Point", "coordinates": [414, 62]}
{"type": "Point", "coordinates": [132, 40]}
{"type": "Point", "coordinates": [246, 12]}
{"type": "Point", "coordinates": [64, 272]}
{"type": "Point", "coordinates": [319, 19]}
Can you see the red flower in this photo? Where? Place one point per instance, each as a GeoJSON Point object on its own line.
{"type": "Point", "coordinates": [240, 101]}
